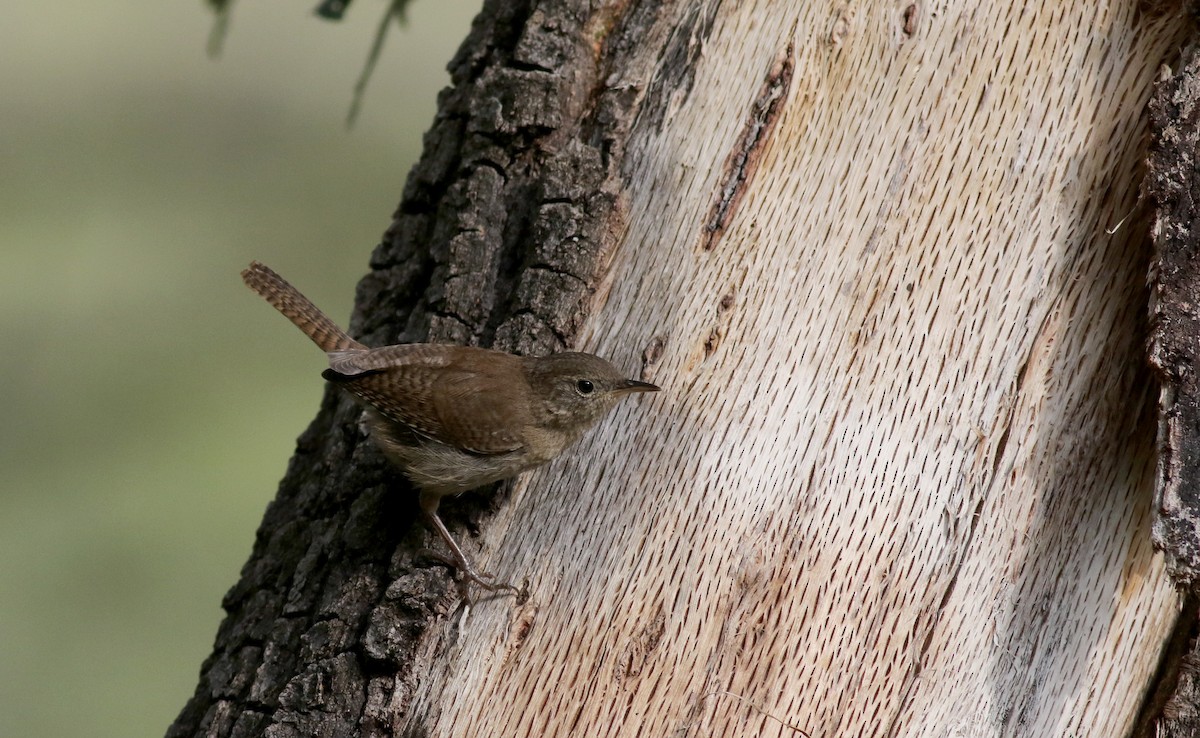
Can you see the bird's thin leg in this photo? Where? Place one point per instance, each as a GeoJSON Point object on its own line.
{"type": "Point", "coordinates": [429, 506]}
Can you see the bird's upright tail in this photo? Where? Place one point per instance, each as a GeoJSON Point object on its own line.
{"type": "Point", "coordinates": [297, 308]}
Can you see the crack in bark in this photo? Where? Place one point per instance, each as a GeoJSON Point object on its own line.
{"type": "Point", "coordinates": [742, 162]}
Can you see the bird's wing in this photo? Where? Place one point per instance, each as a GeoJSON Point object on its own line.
{"type": "Point", "coordinates": [461, 397]}
{"type": "Point", "coordinates": [483, 413]}
{"type": "Point", "coordinates": [353, 362]}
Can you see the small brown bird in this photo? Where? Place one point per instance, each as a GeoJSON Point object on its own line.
{"type": "Point", "coordinates": [455, 418]}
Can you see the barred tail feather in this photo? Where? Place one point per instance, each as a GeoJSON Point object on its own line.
{"type": "Point", "coordinates": [297, 308]}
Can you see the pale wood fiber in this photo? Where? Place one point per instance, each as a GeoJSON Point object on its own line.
{"type": "Point", "coordinates": [901, 484]}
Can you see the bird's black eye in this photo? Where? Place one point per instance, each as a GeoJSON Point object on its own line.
{"type": "Point", "coordinates": [584, 387]}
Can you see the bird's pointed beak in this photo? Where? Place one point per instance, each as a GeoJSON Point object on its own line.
{"type": "Point", "coordinates": [632, 385]}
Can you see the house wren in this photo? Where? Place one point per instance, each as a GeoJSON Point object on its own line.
{"type": "Point", "coordinates": [455, 418]}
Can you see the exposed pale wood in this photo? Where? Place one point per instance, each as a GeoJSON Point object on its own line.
{"type": "Point", "coordinates": [900, 484]}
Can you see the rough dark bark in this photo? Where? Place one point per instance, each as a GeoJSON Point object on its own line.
{"type": "Point", "coordinates": [1173, 183]}
{"type": "Point", "coordinates": [1173, 186]}
{"type": "Point", "coordinates": [500, 239]}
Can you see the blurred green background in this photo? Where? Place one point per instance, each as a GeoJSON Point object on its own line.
{"type": "Point", "coordinates": [149, 400]}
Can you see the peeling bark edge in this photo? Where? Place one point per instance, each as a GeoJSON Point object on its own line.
{"type": "Point", "coordinates": [743, 160]}
{"type": "Point", "coordinates": [1173, 184]}
{"type": "Point", "coordinates": [1172, 709]}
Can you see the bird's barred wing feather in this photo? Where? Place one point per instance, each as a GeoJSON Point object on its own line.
{"type": "Point", "coordinates": [416, 355]}
{"type": "Point", "coordinates": [440, 395]}
{"type": "Point", "coordinates": [481, 416]}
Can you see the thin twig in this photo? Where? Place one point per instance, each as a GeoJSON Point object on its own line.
{"type": "Point", "coordinates": [740, 698]}
{"type": "Point", "coordinates": [395, 9]}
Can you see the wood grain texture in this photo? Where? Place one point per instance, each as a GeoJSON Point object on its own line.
{"type": "Point", "coordinates": [899, 480]}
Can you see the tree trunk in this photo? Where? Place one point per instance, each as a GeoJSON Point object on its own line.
{"type": "Point", "coordinates": [1173, 184]}
{"type": "Point", "coordinates": [887, 262]}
